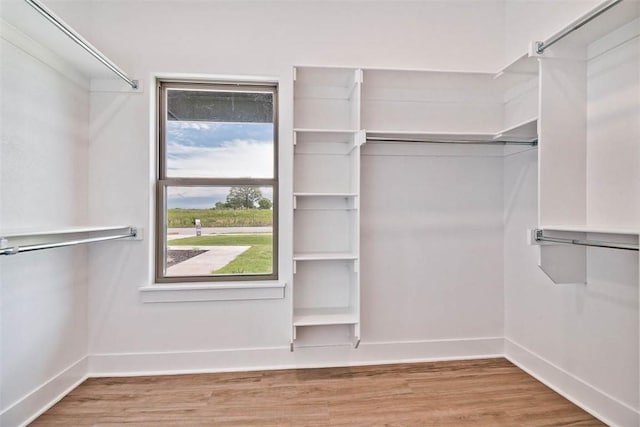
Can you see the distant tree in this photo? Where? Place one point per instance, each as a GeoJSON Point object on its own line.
{"type": "Point", "coordinates": [221, 205]}
{"type": "Point", "coordinates": [243, 197]}
{"type": "Point", "coordinates": [264, 203]}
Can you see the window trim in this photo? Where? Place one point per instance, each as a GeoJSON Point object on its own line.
{"type": "Point", "coordinates": [162, 181]}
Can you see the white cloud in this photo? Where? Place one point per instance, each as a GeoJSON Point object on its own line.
{"type": "Point", "coordinates": [234, 159]}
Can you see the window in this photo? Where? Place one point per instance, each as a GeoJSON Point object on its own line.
{"type": "Point", "coordinates": [217, 188]}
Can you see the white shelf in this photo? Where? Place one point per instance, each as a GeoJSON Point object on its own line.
{"type": "Point", "coordinates": [591, 229]}
{"type": "Point", "coordinates": [324, 316]}
{"type": "Point", "coordinates": [521, 132]}
{"type": "Point", "coordinates": [349, 195]}
{"type": "Point", "coordinates": [523, 65]}
{"type": "Point", "coordinates": [23, 26]}
{"type": "Point", "coordinates": [440, 136]}
{"type": "Point", "coordinates": [524, 131]}
{"type": "Point", "coordinates": [31, 232]}
{"type": "Point", "coordinates": [333, 201]}
{"type": "Point", "coordinates": [614, 18]}
{"type": "Point", "coordinates": [327, 131]}
{"type": "Point", "coordinates": [325, 256]}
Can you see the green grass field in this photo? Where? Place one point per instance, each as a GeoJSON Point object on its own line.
{"type": "Point", "coordinates": [256, 260]}
{"type": "Point", "coordinates": [185, 218]}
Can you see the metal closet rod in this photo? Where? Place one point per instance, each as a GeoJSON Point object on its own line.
{"type": "Point", "coordinates": [28, 248]}
{"type": "Point", "coordinates": [541, 46]}
{"type": "Point", "coordinates": [532, 142]}
{"type": "Point", "coordinates": [73, 35]}
{"type": "Point", "coordinates": [540, 237]}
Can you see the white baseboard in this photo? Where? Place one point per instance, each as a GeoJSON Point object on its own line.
{"type": "Point", "coordinates": [251, 359]}
{"type": "Point", "coordinates": [598, 403]}
{"type": "Point", "coordinates": [44, 397]}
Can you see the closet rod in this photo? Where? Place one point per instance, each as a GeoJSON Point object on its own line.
{"type": "Point", "coordinates": [541, 46]}
{"type": "Point", "coordinates": [73, 35]}
{"type": "Point", "coordinates": [533, 142]}
{"type": "Point", "coordinates": [28, 248]}
{"type": "Point", "coordinates": [540, 237]}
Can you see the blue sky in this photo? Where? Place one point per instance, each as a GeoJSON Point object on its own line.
{"type": "Point", "coordinates": [222, 150]}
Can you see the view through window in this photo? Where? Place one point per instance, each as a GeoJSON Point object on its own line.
{"type": "Point", "coordinates": [217, 186]}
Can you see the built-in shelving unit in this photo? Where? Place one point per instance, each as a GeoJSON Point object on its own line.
{"type": "Point", "coordinates": [589, 156]}
{"type": "Point", "coordinates": [335, 111]}
{"type": "Point", "coordinates": [326, 200]}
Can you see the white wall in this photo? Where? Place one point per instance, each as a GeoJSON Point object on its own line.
{"type": "Point", "coordinates": [241, 38]}
{"type": "Point", "coordinates": [431, 242]}
{"type": "Point", "coordinates": [580, 339]}
{"type": "Point", "coordinates": [43, 176]}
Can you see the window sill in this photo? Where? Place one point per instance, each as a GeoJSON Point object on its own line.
{"type": "Point", "coordinates": [188, 292]}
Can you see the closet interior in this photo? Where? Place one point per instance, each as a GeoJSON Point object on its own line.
{"type": "Point", "coordinates": [570, 107]}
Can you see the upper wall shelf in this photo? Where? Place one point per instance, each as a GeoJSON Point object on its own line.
{"type": "Point", "coordinates": [592, 229]}
{"type": "Point", "coordinates": [32, 26]}
{"type": "Point", "coordinates": [522, 66]}
{"type": "Point", "coordinates": [524, 133]}
{"type": "Point", "coordinates": [590, 27]}
{"type": "Point", "coordinates": [14, 242]}
{"type": "Point", "coordinates": [31, 232]}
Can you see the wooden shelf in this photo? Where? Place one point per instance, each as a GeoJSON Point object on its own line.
{"type": "Point", "coordinates": [325, 256]}
{"type": "Point", "coordinates": [324, 316]}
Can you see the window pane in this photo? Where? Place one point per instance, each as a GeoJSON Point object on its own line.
{"type": "Point", "coordinates": [218, 134]}
{"type": "Point", "coordinates": [219, 231]}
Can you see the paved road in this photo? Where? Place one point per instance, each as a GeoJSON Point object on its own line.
{"type": "Point", "coordinates": [191, 231]}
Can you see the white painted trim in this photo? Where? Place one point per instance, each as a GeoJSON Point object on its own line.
{"type": "Point", "coordinates": [229, 291]}
{"type": "Point", "coordinates": [601, 405]}
{"type": "Point", "coordinates": [270, 358]}
{"type": "Point", "coordinates": [31, 406]}
{"type": "Point", "coordinates": [235, 78]}
{"type": "Point", "coordinates": [34, 49]}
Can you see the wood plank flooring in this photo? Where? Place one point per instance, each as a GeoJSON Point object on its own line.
{"type": "Point", "coordinates": [490, 392]}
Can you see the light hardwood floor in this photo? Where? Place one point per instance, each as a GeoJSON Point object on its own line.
{"type": "Point", "coordinates": [490, 392]}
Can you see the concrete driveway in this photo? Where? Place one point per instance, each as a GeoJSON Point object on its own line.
{"type": "Point", "coordinates": [214, 258]}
